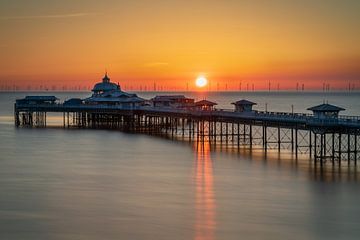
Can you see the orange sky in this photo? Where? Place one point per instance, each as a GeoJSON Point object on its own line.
{"type": "Point", "coordinates": [66, 42]}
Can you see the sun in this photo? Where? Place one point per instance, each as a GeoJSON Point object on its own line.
{"type": "Point", "coordinates": [201, 81]}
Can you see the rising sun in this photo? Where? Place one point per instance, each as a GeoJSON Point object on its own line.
{"type": "Point", "coordinates": [201, 81]}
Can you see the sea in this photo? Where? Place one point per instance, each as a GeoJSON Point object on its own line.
{"type": "Point", "coordinates": [84, 184]}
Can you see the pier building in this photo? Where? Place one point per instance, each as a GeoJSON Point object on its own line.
{"type": "Point", "coordinates": [326, 110]}
{"type": "Point", "coordinates": [243, 105]}
{"type": "Point", "coordinates": [110, 94]}
{"type": "Point", "coordinates": [172, 101]}
{"type": "Point", "coordinates": [204, 105]}
{"type": "Point", "coordinates": [33, 100]}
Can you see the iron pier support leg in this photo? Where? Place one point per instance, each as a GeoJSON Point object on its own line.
{"type": "Point", "coordinates": [310, 144]}
{"type": "Point", "coordinates": [244, 134]}
{"type": "Point", "coordinates": [198, 128]}
{"type": "Point", "coordinates": [64, 119]}
{"type": "Point", "coordinates": [265, 137]}
{"type": "Point", "coordinates": [214, 131]}
{"type": "Point", "coordinates": [296, 142]}
{"type": "Point", "coordinates": [221, 132]}
{"type": "Point", "coordinates": [292, 139]}
{"type": "Point", "coordinates": [172, 126]}
{"type": "Point", "coordinates": [325, 150]}
{"type": "Point", "coordinates": [227, 132]}
{"type": "Point", "coordinates": [17, 118]}
{"type": "Point", "coordinates": [232, 132]}
{"type": "Point", "coordinates": [333, 148]}
{"type": "Point", "coordinates": [355, 150]}
{"type": "Point", "coordinates": [183, 126]}
{"type": "Point", "coordinates": [348, 148]}
{"type": "Point", "coordinates": [238, 135]}
{"type": "Point", "coordinates": [31, 119]}
{"type": "Point", "coordinates": [321, 148]}
{"type": "Point", "coordinates": [250, 135]}
{"type": "Point", "coordinates": [279, 139]}
{"type": "Point", "coordinates": [315, 147]}
{"type": "Point", "coordinates": [340, 152]}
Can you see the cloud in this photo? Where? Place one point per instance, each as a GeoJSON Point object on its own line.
{"type": "Point", "coordinates": [156, 64]}
{"type": "Point", "coordinates": [68, 15]}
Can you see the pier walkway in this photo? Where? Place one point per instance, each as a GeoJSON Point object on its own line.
{"type": "Point", "coordinates": [332, 139]}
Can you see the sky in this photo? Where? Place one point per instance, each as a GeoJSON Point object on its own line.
{"type": "Point", "coordinates": [170, 43]}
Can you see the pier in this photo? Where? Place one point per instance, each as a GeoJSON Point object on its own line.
{"type": "Point", "coordinates": [325, 136]}
{"type": "Point", "coordinates": [328, 139]}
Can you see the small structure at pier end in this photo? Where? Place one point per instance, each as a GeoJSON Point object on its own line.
{"type": "Point", "coordinates": [204, 105]}
{"type": "Point", "coordinates": [326, 111]}
{"type": "Point", "coordinates": [243, 105]}
{"type": "Point", "coordinates": [108, 93]}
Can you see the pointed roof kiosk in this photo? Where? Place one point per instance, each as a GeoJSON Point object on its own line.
{"type": "Point", "coordinates": [205, 105]}
{"type": "Point", "coordinates": [243, 105]}
{"type": "Point", "coordinates": [326, 110]}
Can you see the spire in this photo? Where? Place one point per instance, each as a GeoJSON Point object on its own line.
{"type": "Point", "coordinates": [106, 79]}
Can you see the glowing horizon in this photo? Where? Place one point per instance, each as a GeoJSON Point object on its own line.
{"type": "Point", "coordinates": [247, 43]}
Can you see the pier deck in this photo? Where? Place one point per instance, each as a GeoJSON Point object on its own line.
{"type": "Point", "coordinates": [332, 139]}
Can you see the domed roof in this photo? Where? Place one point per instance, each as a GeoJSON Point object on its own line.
{"type": "Point", "coordinates": [105, 86]}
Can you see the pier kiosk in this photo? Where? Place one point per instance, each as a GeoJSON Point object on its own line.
{"type": "Point", "coordinates": [326, 111]}
{"type": "Point", "coordinates": [205, 105]}
{"type": "Point", "coordinates": [243, 105]}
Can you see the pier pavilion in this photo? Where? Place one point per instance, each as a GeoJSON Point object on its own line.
{"type": "Point", "coordinates": [243, 105]}
{"type": "Point", "coordinates": [326, 110]}
{"type": "Point", "coordinates": [110, 94]}
{"type": "Point", "coordinates": [204, 105]}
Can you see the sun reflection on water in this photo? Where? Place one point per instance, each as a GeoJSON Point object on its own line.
{"type": "Point", "coordinates": [205, 206]}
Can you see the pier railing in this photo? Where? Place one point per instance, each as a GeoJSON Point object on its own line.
{"type": "Point", "coordinates": [218, 112]}
{"type": "Point", "coordinates": [322, 138]}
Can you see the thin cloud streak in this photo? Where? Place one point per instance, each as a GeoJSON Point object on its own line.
{"type": "Point", "coordinates": [70, 15]}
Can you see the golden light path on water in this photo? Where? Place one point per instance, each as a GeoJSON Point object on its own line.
{"type": "Point", "coordinates": [205, 209]}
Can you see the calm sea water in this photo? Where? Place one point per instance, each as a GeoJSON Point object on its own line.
{"type": "Point", "coordinates": [98, 184]}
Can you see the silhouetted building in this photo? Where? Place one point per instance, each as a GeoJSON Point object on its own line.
{"type": "Point", "coordinates": [204, 105]}
{"type": "Point", "coordinates": [108, 93]}
{"type": "Point", "coordinates": [105, 86]}
{"type": "Point", "coordinates": [326, 110]}
{"type": "Point", "coordinates": [73, 102]}
{"type": "Point", "coordinates": [173, 101]}
{"type": "Point", "coordinates": [243, 105]}
{"type": "Point", "coordinates": [37, 100]}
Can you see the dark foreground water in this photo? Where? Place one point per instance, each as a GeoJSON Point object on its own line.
{"type": "Point", "coordinates": [97, 184]}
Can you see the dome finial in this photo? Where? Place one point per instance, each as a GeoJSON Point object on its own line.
{"type": "Point", "coordinates": [106, 79]}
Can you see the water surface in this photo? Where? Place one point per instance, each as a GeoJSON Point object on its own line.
{"type": "Point", "coordinates": [98, 184]}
